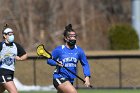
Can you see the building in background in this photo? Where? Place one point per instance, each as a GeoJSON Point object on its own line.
{"type": "Point", "coordinates": [136, 16]}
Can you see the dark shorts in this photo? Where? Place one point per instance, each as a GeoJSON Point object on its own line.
{"type": "Point", "coordinates": [6, 75]}
{"type": "Point", "coordinates": [58, 81]}
{"type": "Point", "coordinates": [6, 78]}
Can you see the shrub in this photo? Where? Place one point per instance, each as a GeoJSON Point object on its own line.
{"type": "Point", "coordinates": [123, 37]}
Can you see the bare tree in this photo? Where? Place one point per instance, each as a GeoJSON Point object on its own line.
{"type": "Point", "coordinates": [83, 21]}
{"type": "Point", "coordinates": [43, 21]}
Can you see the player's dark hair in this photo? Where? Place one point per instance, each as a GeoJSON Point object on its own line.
{"type": "Point", "coordinates": [4, 27]}
{"type": "Point", "coordinates": [68, 29]}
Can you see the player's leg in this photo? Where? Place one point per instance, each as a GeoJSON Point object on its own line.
{"type": "Point", "coordinates": [63, 86]}
{"type": "Point", "coordinates": [66, 87]}
{"type": "Point", "coordinates": [8, 83]}
{"type": "Point", "coordinates": [10, 87]}
{"type": "Point", "coordinates": [2, 89]}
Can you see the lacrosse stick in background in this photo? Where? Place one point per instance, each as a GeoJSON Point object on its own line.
{"type": "Point", "coordinates": [41, 51]}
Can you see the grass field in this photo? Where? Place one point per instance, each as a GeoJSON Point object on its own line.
{"type": "Point", "coordinates": [94, 91]}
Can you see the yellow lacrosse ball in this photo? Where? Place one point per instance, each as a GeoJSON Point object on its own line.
{"type": "Point", "coordinates": [41, 51]}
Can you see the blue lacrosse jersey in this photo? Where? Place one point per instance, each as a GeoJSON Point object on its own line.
{"type": "Point", "coordinates": [69, 58]}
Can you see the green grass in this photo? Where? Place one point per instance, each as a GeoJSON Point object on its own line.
{"type": "Point", "coordinates": [109, 91]}
{"type": "Point", "coordinates": [94, 91]}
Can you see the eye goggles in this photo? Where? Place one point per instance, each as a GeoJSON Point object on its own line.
{"type": "Point", "coordinates": [72, 35]}
{"type": "Point", "coordinates": [9, 33]}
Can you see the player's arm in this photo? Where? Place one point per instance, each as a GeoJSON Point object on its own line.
{"type": "Point", "coordinates": [84, 63]}
{"type": "Point", "coordinates": [85, 66]}
{"type": "Point", "coordinates": [55, 54]}
{"type": "Point", "coordinates": [21, 55]}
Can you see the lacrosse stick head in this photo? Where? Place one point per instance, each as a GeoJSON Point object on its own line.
{"type": "Point", "coordinates": [42, 52]}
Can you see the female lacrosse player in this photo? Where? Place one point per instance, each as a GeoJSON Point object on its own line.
{"type": "Point", "coordinates": [68, 55]}
{"type": "Point", "coordinates": [9, 53]}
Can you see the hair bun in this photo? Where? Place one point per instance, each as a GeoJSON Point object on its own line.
{"type": "Point", "coordinates": [68, 27]}
{"type": "Point", "coordinates": [5, 26]}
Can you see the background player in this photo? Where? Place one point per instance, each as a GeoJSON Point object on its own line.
{"type": "Point", "coordinates": [10, 51]}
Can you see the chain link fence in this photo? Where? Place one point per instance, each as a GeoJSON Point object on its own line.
{"type": "Point", "coordinates": [119, 71]}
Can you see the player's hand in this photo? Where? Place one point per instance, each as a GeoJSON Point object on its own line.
{"type": "Point", "coordinates": [87, 82]}
{"type": "Point", "coordinates": [60, 64]}
{"type": "Point", "coordinates": [18, 58]}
